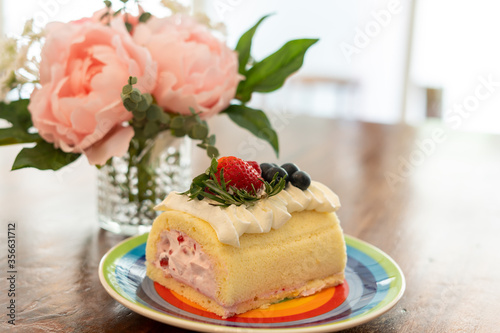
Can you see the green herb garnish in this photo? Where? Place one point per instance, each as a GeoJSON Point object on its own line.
{"type": "Point", "coordinates": [207, 186]}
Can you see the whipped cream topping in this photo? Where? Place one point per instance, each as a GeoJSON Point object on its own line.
{"type": "Point", "coordinates": [180, 257]}
{"type": "Point", "coordinates": [231, 222]}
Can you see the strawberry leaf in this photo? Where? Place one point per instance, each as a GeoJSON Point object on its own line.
{"type": "Point", "coordinates": [254, 121]}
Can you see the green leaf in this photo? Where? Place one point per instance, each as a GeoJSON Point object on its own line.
{"type": "Point", "coordinates": [153, 113]}
{"type": "Point", "coordinates": [135, 95]}
{"type": "Point", "coordinates": [138, 115]}
{"type": "Point", "coordinates": [144, 17]}
{"type": "Point", "coordinates": [18, 115]}
{"type": "Point", "coordinates": [211, 140]}
{"type": "Point", "coordinates": [165, 118]}
{"type": "Point", "coordinates": [132, 80]}
{"type": "Point", "coordinates": [151, 129]}
{"type": "Point", "coordinates": [177, 123]}
{"type": "Point", "coordinates": [198, 132]}
{"type": "Point", "coordinates": [117, 12]}
{"type": "Point", "coordinates": [12, 135]}
{"type": "Point", "coordinates": [148, 98]}
{"type": "Point", "coordinates": [244, 46]}
{"type": "Point", "coordinates": [270, 73]}
{"type": "Point", "coordinates": [129, 104]}
{"type": "Point", "coordinates": [43, 157]}
{"type": "Point", "coordinates": [256, 122]}
{"type": "Point", "coordinates": [214, 164]}
{"type": "Point", "coordinates": [179, 132]}
{"type": "Point", "coordinates": [129, 27]}
{"type": "Point", "coordinates": [212, 151]}
{"type": "Point", "coordinates": [189, 122]}
{"type": "Point", "coordinates": [127, 89]}
{"type": "Point", "coordinates": [143, 105]}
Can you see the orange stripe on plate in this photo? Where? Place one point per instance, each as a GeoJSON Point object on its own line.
{"type": "Point", "coordinates": [293, 306]}
{"type": "Point", "coordinates": [291, 310]}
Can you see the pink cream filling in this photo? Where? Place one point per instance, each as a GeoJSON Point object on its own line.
{"type": "Point", "coordinates": [181, 257]}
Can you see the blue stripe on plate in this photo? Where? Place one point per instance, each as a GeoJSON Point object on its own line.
{"type": "Point", "coordinates": [368, 285]}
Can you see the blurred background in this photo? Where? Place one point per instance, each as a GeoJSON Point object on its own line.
{"type": "Point", "coordinates": [384, 61]}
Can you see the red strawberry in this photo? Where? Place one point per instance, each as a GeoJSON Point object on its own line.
{"type": "Point", "coordinates": [164, 262]}
{"type": "Point", "coordinates": [256, 166]}
{"type": "Point", "coordinates": [239, 174]}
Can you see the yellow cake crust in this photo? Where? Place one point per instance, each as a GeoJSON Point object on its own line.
{"type": "Point", "coordinates": [307, 253]}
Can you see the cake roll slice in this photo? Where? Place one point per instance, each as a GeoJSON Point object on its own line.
{"type": "Point", "coordinates": [299, 257]}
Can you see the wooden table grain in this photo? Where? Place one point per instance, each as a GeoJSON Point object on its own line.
{"type": "Point", "coordinates": [427, 196]}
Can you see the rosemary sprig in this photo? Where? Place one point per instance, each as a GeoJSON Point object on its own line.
{"type": "Point", "coordinates": [207, 186]}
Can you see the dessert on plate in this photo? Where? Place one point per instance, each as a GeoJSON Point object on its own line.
{"type": "Point", "coordinates": [245, 236]}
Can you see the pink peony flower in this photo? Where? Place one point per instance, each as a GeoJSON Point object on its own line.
{"type": "Point", "coordinates": [84, 66]}
{"type": "Point", "coordinates": [195, 69]}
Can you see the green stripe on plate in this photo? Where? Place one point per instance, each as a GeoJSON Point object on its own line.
{"type": "Point", "coordinates": [114, 256]}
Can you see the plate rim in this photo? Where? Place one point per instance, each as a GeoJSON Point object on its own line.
{"type": "Point", "coordinates": [206, 327]}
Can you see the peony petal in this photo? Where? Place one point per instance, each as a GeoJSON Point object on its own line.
{"type": "Point", "coordinates": [84, 66]}
{"type": "Point", "coordinates": [116, 144]}
{"type": "Point", "coordinates": [195, 69]}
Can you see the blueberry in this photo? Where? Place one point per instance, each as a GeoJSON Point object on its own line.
{"type": "Point", "coordinates": [269, 174]}
{"type": "Point", "coordinates": [301, 180]}
{"type": "Point", "coordinates": [264, 167]}
{"type": "Point", "coordinates": [290, 168]}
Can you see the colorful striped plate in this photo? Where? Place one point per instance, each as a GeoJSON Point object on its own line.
{"type": "Point", "coordinates": [374, 283]}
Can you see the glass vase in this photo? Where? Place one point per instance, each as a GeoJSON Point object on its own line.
{"type": "Point", "coordinates": [129, 187]}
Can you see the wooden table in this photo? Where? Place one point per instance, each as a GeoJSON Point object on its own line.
{"type": "Point", "coordinates": [429, 198]}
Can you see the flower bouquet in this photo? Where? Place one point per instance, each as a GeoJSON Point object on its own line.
{"type": "Point", "coordinates": [124, 88]}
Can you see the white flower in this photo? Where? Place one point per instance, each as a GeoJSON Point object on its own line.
{"type": "Point", "coordinates": [30, 34]}
{"type": "Point", "coordinates": [9, 51]}
{"type": "Point", "coordinates": [176, 7]}
{"type": "Point", "coordinates": [17, 65]}
{"type": "Point", "coordinates": [204, 19]}
{"type": "Point", "coordinates": [8, 62]}
{"type": "Point", "coordinates": [28, 28]}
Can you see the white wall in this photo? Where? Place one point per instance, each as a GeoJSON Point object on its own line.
{"type": "Point", "coordinates": [43, 11]}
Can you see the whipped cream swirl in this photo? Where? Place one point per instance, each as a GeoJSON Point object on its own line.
{"type": "Point", "coordinates": [231, 222]}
